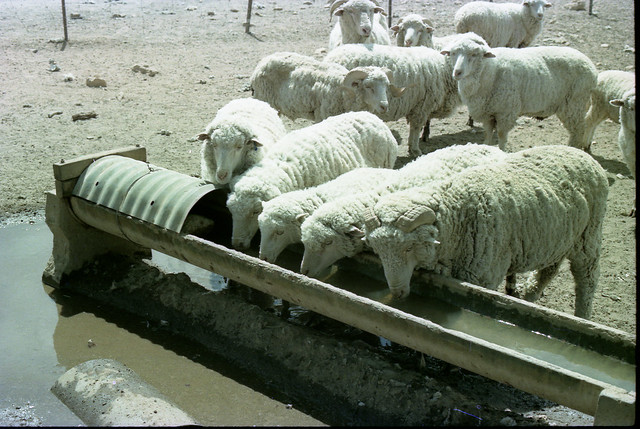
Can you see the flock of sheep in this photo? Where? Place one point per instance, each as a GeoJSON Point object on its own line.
{"type": "Point", "coordinates": [474, 212]}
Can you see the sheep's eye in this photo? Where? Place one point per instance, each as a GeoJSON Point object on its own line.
{"type": "Point", "coordinates": [409, 249]}
{"type": "Point", "coordinates": [257, 211]}
{"type": "Point", "coordinates": [328, 241]}
{"type": "Point", "coordinates": [278, 232]}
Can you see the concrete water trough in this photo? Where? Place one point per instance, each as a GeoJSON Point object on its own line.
{"type": "Point", "coordinates": [116, 202]}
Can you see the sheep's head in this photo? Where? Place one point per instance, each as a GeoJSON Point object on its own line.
{"type": "Point", "coordinates": [328, 238]}
{"type": "Point", "coordinates": [414, 30]}
{"type": "Point", "coordinates": [371, 83]}
{"type": "Point", "coordinates": [627, 105]}
{"type": "Point", "coordinates": [245, 205]}
{"type": "Point", "coordinates": [406, 242]}
{"type": "Point", "coordinates": [229, 146]}
{"type": "Point", "coordinates": [536, 8]}
{"type": "Point", "coordinates": [466, 54]}
{"type": "Point", "coordinates": [279, 223]}
{"type": "Point", "coordinates": [356, 14]}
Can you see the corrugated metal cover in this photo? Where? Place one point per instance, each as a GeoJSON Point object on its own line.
{"type": "Point", "coordinates": [156, 195]}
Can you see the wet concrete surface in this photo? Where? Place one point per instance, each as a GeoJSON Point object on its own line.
{"type": "Point", "coordinates": [46, 332]}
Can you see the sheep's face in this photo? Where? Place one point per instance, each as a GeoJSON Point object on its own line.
{"type": "Point", "coordinates": [230, 147]}
{"type": "Point", "coordinates": [401, 252]}
{"type": "Point", "coordinates": [371, 85]}
{"type": "Point", "coordinates": [245, 205]}
{"type": "Point", "coordinates": [279, 227]}
{"type": "Point", "coordinates": [324, 245]}
{"type": "Point", "coordinates": [536, 8]}
{"type": "Point", "coordinates": [466, 56]}
{"type": "Point", "coordinates": [357, 15]}
{"type": "Point", "coordinates": [414, 31]}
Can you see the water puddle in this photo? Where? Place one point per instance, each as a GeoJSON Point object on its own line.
{"type": "Point", "coordinates": [45, 332]}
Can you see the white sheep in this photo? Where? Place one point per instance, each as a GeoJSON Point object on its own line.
{"type": "Point", "coordinates": [627, 134]}
{"type": "Point", "coordinates": [508, 25]}
{"type": "Point", "coordinates": [500, 84]}
{"type": "Point", "coordinates": [237, 138]}
{"type": "Point", "coordinates": [299, 86]}
{"type": "Point", "coordinates": [282, 217]}
{"type": "Point", "coordinates": [527, 212]}
{"type": "Point", "coordinates": [360, 21]}
{"type": "Point", "coordinates": [335, 229]}
{"type": "Point", "coordinates": [413, 30]}
{"type": "Point", "coordinates": [429, 89]}
{"type": "Point", "coordinates": [308, 157]}
{"type": "Point", "coordinates": [612, 84]}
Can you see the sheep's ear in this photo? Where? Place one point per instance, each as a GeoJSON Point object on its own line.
{"type": "Point", "coordinates": [335, 5]}
{"type": "Point", "coordinates": [489, 55]}
{"type": "Point", "coordinates": [354, 77]}
{"type": "Point", "coordinates": [445, 52]}
{"type": "Point", "coordinates": [396, 91]}
{"type": "Point", "coordinates": [415, 217]}
{"type": "Point", "coordinates": [395, 29]}
{"type": "Point", "coordinates": [379, 10]}
{"type": "Point", "coordinates": [255, 143]}
{"type": "Point", "coordinates": [355, 232]}
{"type": "Point", "coordinates": [301, 217]}
{"type": "Point", "coordinates": [617, 102]}
{"type": "Point", "coordinates": [547, 5]}
{"type": "Point", "coordinates": [204, 136]}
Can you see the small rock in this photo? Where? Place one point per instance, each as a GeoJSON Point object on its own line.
{"type": "Point", "coordinates": [361, 404]}
{"type": "Point", "coordinates": [164, 132]}
{"type": "Point", "coordinates": [191, 8]}
{"type": "Point", "coordinates": [75, 16]}
{"type": "Point", "coordinates": [507, 421]}
{"type": "Point", "coordinates": [211, 13]}
{"type": "Point", "coordinates": [277, 8]}
{"type": "Point", "coordinates": [53, 67]}
{"type": "Point", "coordinates": [90, 343]}
{"type": "Point", "coordinates": [234, 10]}
{"type": "Point", "coordinates": [604, 45]}
{"type": "Point", "coordinates": [289, 406]}
{"type": "Point", "coordinates": [52, 114]}
{"type": "Point", "coordinates": [58, 40]}
{"type": "Point", "coordinates": [320, 51]}
{"type": "Point", "coordinates": [201, 82]}
{"type": "Point", "coordinates": [577, 5]}
{"type": "Point", "coordinates": [68, 78]}
{"type": "Point", "coordinates": [96, 82]}
{"type": "Point", "coordinates": [629, 49]}
{"type": "Point", "coordinates": [84, 116]}
{"type": "Point", "coordinates": [27, 106]}
{"type": "Point", "coordinates": [117, 15]}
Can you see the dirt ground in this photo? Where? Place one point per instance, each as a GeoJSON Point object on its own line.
{"type": "Point", "coordinates": [193, 57]}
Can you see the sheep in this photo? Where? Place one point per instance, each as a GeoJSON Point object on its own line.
{"type": "Point", "coordinates": [237, 138]}
{"type": "Point", "coordinates": [308, 157]}
{"type": "Point", "coordinates": [413, 30]}
{"type": "Point", "coordinates": [627, 133]}
{"type": "Point", "coordinates": [527, 212]}
{"type": "Point", "coordinates": [282, 217]}
{"type": "Point", "coordinates": [500, 84]}
{"type": "Point", "coordinates": [360, 21]}
{"type": "Point", "coordinates": [335, 229]}
{"type": "Point", "coordinates": [612, 84]}
{"type": "Point", "coordinates": [429, 89]}
{"type": "Point", "coordinates": [299, 86]}
{"type": "Point", "coordinates": [509, 25]}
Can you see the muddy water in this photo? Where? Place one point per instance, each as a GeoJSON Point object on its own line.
{"type": "Point", "coordinates": [43, 333]}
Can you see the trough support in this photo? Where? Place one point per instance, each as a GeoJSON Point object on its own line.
{"type": "Point", "coordinates": [615, 408]}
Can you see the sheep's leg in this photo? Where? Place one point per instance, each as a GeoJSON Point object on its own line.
{"type": "Point", "coordinates": [510, 285]}
{"type": "Point", "coordinates": [538, 281]}
{"type": "Point", "coordinates": [585, 275]}
{"type": "Point", "coordinates": [426, 131]}
{"type": "Point", "coordinates": [503, 126]}
{"type": "Point", "coordinates": [573, 119]}
{"type": "Point", "coordinates": [414, 139]}
{"type": "Point", "coordinates": [470, 121]}
{"type": "Point", "coordinates": [489, 126]}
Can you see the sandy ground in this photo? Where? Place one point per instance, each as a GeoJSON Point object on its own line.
{"type": "Point", "coordinates": [194, 56]}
